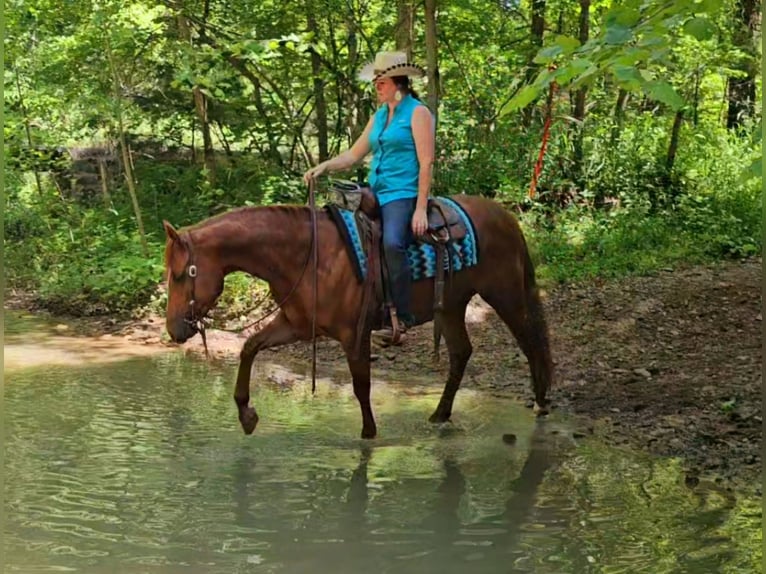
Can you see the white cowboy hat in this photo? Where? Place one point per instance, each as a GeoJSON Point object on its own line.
{"type": "Point", "coordinates": [389, 64]}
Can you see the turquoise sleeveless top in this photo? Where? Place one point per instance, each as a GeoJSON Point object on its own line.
{"type": "Point", "coordinates": [394, 169]}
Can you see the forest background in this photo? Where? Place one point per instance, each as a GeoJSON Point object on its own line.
{"type": "Point", "coordinates": [121, 114]}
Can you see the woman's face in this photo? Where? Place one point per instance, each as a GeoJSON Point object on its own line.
{"type": "Point", "coordinates": [385, 89]}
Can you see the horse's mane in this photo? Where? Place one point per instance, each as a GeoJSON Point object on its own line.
{"type": "Point", "coordinates": [247, 216]}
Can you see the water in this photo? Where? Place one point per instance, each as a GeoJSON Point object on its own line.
{"type": "Point", "coordinates": [139, 466]}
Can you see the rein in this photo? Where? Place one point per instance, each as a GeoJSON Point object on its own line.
{"type": "Point", "coordinates": [198, 322]}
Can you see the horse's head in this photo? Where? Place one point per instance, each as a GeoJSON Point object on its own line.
{"type": "Point", "coordinates": [195, 280]}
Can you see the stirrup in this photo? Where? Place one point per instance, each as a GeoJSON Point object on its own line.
{"type": "Point", "coordinates": [385, 337]}
{"type": "Point", "coordinates": [391, 335]}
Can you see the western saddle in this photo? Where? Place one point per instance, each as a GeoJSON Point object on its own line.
{"type": "Point", "coordinates": [445, 226]}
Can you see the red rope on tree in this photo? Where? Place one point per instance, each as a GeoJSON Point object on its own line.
{"type": "Point", "coordinates": [546, 134]}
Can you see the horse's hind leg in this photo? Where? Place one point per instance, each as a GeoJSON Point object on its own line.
{"type": "Point", "coordinates": [360, 372]}
{"type": "Point", "coordinates": [278, 332]}
{"type": "Point", "coordinates": [459, 347]}
{"type": "Point", "coordinates": [522, 311]}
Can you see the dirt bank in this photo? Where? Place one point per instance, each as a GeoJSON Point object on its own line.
{"type": "Point", "coordinates": [669, 363]}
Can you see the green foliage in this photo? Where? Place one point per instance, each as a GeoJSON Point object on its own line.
{"type": "Point", "coordinates": [622, 206]}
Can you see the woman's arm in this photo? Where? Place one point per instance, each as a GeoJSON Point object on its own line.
{"type": "Point", "coordinates": [423, 134]}
{"type": "Point", "coordinates": [346, 159]}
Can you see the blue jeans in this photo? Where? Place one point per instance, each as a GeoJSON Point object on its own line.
{"type": "Point", "coordinates": [396, 217]}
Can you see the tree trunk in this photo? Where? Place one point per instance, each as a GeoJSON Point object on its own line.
{"type": "Point", "coordinates": [432, 59]}
{"type": "Point", "coordinates": [104, 184]}
{"type": "Point", "coordinates": [619, 115]}
{"type": "Point", "coordinates": [28, 131]}
{"type": "Point", "coordinates": [126, 161]}
{"type": "Point", "coordinates": [742, 90]}
{"type": "Point", "coordinates": [405, 26]}
{"type": "Point", "coordinates": [199, 98]}
{"type": "Point", "coordinates": [358, 101]}
{"type": "Point", "coordinates": [696, 103]}
{"type": "Point", "coordinates": [241, 66]}
{"type": "Point", "coordinates": [579, 103]}
{"type": "Point", "coordinates": [536, 41]}
{"type": "Point", "coordinates": [674, 137]}
{"type": "Point", "coordinates": [200, 106]}
{"type": "Point", "coordinates": [319, 99]}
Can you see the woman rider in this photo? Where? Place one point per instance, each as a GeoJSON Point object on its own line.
{"type": "Point", "coordinates": [400, 135]}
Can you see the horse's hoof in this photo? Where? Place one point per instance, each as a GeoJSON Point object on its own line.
{"type": "Point", "coordinates": [369, 434]}
{"type": "Point", "coordinates": [540, 410]}
{"type": "Point", "coordinates": [249, 419]}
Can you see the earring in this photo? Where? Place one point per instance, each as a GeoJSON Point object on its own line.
{"type": "Point", "coordinates": [398, 95]}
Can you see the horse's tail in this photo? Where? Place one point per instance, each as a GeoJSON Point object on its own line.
{"type": "Point", "coordinates": [539, 327]}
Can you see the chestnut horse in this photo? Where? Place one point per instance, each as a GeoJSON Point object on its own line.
{"type": "Point", "coordinates": [275, 244]}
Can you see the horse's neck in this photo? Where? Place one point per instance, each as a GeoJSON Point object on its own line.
{"type": "Point", "coordinates": [267, 243]}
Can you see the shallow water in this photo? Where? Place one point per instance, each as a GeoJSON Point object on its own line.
{"type": "Point", "coordinates": [140, 466]}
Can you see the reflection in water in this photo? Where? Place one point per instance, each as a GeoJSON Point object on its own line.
{"type": "Point", "coordinates": [139, 467]}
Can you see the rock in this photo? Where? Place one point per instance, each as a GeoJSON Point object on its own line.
{"type": "Point", "coordinates": [642, 373]}
{"type": "Point", "coordinates": [675, 421]}
{"type": "Point", "coordinates": [61, 327]}
{"type": "Point", "coordinates": [509, 438]}
{"type": "Point", "coordinates": [691, 481]}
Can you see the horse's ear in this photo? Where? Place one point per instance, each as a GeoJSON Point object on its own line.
{"type": "Point", "coordinates": [170, 231]}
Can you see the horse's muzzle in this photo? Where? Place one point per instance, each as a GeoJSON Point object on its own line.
{"type": "Point", "coordinates": [181, 330]}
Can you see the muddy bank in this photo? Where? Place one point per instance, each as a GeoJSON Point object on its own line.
{"type": "Point", "coordinates": [669, 363]}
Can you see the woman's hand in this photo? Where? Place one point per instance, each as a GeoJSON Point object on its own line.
{"type": "Point", "coordinates": [314, 172]}
{"type": "Point", "coordinates": [419, 221]}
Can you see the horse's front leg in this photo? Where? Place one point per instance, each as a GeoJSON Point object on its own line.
{"type": "Point", "coordinates": [278, 332]}
{"type": "Point", "coordinates": [360, 372]}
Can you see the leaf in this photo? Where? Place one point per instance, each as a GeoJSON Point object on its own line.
{"type": "Point", "coordinates": [618, 35]}
{"type": "Point", "coordinates": [548, 54]}
{"type": "Point", "coordinates": [707, 6]}
{"type": "Point", "coordinates": [525, 96]}
{"type": "Point", "coordinates": [622, 16]}
{"type": "Point", "coordinates": [662, 91]}
{"type": "Point", "coordinates": [650, 40]}
{"type": "Point", "coordinates": [632, 55]}
{"type": "Point", "coordinates": [585, 76]}
{"type": "Point", "coordinates": [699, 27]}
{"type": "Point", "coordinates": [567, 43]}
{"type": "Point", "coordinates": [755, 170]}
{"type": "Point", "coordinates": [566, 72]}
{"type": "Point", "coordinates": [628, 77]}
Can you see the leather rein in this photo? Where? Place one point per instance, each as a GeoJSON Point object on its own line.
{"type": "Point", "coordinates": [198, 322]}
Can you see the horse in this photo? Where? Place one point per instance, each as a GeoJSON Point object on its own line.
{"type": "Point", "coordinates": [275, 244]}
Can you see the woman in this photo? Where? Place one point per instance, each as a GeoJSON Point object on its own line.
{"type": "Point", "coordinates": [401, 137]}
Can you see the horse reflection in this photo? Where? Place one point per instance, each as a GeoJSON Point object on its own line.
{"type": "Point", "coordinates": [342, 532]}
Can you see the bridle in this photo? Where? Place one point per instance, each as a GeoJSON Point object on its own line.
{"type": "Point", "coordinates": [198, 322]}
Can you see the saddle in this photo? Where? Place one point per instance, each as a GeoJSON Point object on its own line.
{"type": "Point", "coordinates": [444, 227]}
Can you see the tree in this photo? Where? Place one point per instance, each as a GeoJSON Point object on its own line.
{"type": "Point", "coordinates": [432, 58]}
{"type": "Point", "coordinates": [579, 100]}
{"type": "Point", "coordinates": [741, 93]}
